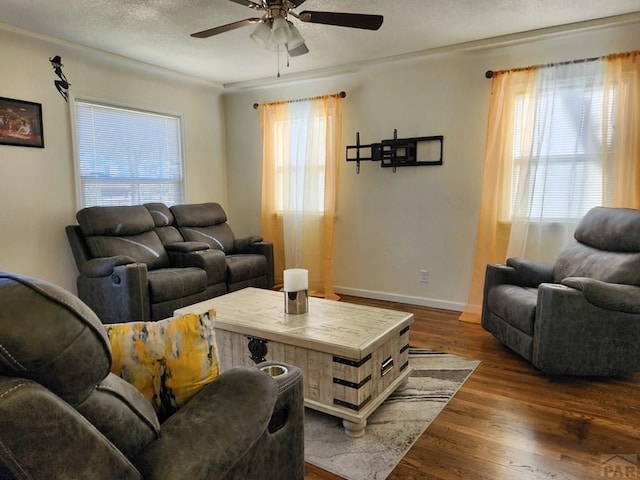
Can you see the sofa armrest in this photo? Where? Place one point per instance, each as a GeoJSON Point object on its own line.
{"type": "Point", "coordinates": [207, 437]}
{"type": "Point", "coordinates": [43, 437]}
{"type": "Point", "coordinates": [280, 453]}
{"type": "Point", "coordinates": [244, 245]}
{"type": "Point", "coordinates": [495, 274]}
{"type": "Point", "coordinates": [122, 296]}
{"type": "Point", "coordinates": [609, 296]}
{"type": "Point", "coordinates": [79, 249]}
{"type": "Point", "coordinates": [212, 261]}
{"type": "Point", "coordinates": [531, 273]}
{"type": "Point", "coordinates": [575, 337]}
{"type": "Point", "coordinates": [104, 266]}
{"type": "Point", "coordinates": [266, 249]}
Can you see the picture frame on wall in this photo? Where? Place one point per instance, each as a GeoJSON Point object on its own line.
{"type": "Point", "coordinates": [21, 123]}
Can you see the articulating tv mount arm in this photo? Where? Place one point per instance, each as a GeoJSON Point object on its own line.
{"type": "Point", "coordinates": [399, 152]}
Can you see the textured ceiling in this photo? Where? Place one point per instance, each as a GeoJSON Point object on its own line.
{"type": "Point", "coordinates": [158, 31]}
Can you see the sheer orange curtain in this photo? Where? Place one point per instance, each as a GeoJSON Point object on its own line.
{"type": "Point", "coordinates": [272, 117]}
{"type": "Point", "coordinates": [302, 142]}
{"type": "Point", "coordinates": [622, 80]}
{"type": "Point", "coordinates": [620, 164]}
{"type": "Point", "coordinates": [494, 226]}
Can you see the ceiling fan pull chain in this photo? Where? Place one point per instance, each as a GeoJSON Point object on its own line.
{"type": "Point", "coordinates": [278, 61]}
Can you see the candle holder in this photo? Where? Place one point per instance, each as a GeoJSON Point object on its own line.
{"type": "Point", "coordinates": [296, 291]}
{"type": "Point", "coordinates": [296, 302]}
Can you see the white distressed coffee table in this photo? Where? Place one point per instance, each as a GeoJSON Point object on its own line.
{"type": "Point", "coordinates": [352, 356]}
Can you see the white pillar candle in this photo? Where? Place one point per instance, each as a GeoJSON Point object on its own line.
{"type": "Point", "coordinates": [296, 279]}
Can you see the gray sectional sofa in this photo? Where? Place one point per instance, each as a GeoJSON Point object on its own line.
{"type": "Point", "coordinates": [142, 262]}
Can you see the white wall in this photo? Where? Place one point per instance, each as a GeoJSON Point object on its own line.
{"type": "Point", "coordinates": [37, 192]}
{"type": "Point", "coordinates": [391, 225]}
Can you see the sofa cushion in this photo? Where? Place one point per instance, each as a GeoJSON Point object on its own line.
{"type": "Point", "coordinates": [171, 283]}
{"type": "Point", "coordinates": [610, 229]}
{"type": "Point", "coordinates": [204, 222]}
{"type": "Point", "coordinates": [118, 221]}
{"type": "Point", "coordinates": [219, 237]}
{"type": "Point", "coordinates": [607, 248]}
{"type": "Point", "coordinates": [168, 361]}
{"type": "Point", "coordinates": [128, 230]}
{"type": "Point", "coordinates": [50, 336]}
{"type": "Point", "coordinates": [43, 437]}
{"type": "Point", "coordinates": [198, 214]}
{"type": "Point", "coordinates": [515, 305]}
{"type": "Point", "coordinates": [161, 214]}
{"type": "Point", "coordinates": [143, 248]}
{"type": "Point", "coordinates": [122, 414]}
{"type": "Point", "coordinates": [580, 260]}
{"type": "Point", "coordinates": [163, 220]}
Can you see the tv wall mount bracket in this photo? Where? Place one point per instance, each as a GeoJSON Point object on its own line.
{"type": "Point", "coordinates": [399, 152]}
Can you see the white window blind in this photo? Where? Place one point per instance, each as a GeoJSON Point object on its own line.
{"type": "Point", "coordinates": [562, 155]}
{"type": "Point", "coordinates": [126, 156]}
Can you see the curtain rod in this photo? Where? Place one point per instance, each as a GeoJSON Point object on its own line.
{"type": "Point", "coordinates": [340, 94]}
{"type": "Point", "coordinates": [491, 73]}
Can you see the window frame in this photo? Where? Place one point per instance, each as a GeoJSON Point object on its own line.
{"type": "Point", "coordinates": [123, 105]}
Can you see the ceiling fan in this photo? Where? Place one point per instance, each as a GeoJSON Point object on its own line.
{"type": "Point", "coordinates": [274, 29]}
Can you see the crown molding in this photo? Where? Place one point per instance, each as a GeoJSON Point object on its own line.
{"type": "Point", "coordinates": [476, 45]}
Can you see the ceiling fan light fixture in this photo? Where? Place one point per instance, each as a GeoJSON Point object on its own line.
{"type": "Point", "coordinates": [261, 34]}
{"type": "Point", "coordinates": [296, 52]}
{"type": "Point", "coordinates": [280, 31]}
{"type": "Point", "coordinates": [296, 38]}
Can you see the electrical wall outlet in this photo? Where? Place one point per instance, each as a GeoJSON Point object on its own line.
{"type": "Point", "coordinates": [424, 276]}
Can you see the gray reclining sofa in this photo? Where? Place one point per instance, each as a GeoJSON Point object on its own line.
{"type": "Point", "coordinates": [142, 262]}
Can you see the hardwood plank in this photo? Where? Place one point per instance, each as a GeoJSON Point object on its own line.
{"type": "Point", "coordinates": [510, 421]}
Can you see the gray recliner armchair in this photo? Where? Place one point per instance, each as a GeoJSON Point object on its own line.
{"type": "Point", "coordinates": [63, 415]}
{"type": "Point", "coordinates": [581, 314]}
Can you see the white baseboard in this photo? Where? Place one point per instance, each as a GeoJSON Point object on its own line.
{"type": "Point", "coordinates": [394, 297]}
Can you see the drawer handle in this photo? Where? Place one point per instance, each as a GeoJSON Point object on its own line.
{"type": "Point", "coordinates": [386, 366]}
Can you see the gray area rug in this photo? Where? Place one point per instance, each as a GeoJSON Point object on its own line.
{"type": "Point", "coordinates": [394, 427]}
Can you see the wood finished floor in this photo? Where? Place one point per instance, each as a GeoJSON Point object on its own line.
{"type": "Point", "coordinates": [509, 421]}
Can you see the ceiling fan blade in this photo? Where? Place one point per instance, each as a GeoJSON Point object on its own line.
{"type": "Point", "coordinates": [297, 3]}
{"type": "Point", "coordinates": [224, 28]}
{"type": "Point", "coordinates": [248, 3]}
{"type": "Point", "coordinates": [299, 50]}
{"type": "Point", "coordinates": [353, 20]}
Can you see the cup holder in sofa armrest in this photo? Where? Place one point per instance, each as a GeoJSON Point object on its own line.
{"type": "Point", "coordinates": [274, 370]}
{"type": "Point", "coordinates": [285, 376]}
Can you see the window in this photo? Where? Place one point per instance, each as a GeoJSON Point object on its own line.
{"type": "Point", "coordinates": [302, 165]}
{"type": "Point", "coordinates": [562, 155]}
{"type": "Point", "coordinates": [299, 153]}
{"type": "Point", "coordinates": [301, 150]}
{"type": "Point", "coordinates": [126, 156]}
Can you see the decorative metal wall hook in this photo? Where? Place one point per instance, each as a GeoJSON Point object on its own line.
{"type": "Point", "coordinates": [62, 85]}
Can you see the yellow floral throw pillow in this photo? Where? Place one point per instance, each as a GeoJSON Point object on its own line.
{"type": "Point", "coordinates": [169, 361]}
